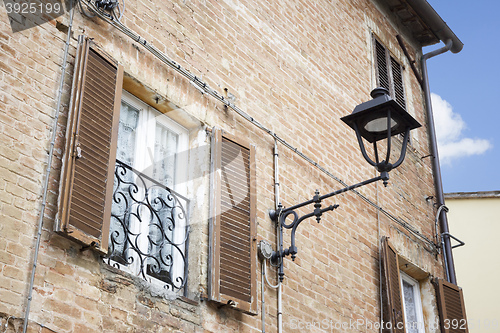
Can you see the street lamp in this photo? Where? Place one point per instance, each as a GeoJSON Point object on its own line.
{"type": "Point", "coordinates": [378, 119]}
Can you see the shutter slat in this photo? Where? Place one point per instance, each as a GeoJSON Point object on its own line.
{"type": "Point", "coordinates": [234, 293]}
{"type": "Point", "coordinates": [235, 229]}
{"type": "Point", "coordinates": [89, 141]}
{"type": "Point", "coordinates": [236, 233]}
{"type": "Point", "coordinates": [90, 174]}
{"type": "Point", "coordinates": [238, 212]}
{"type": "Point", "coordinates": [237, 267]}
{"type": "Point", "coordinates": [235, 190]}
{"type": "Point", "coordinates": [99, 120]}
{"type": "Point", "coordinates": [235, 246]}
{"type": "Point", "coordinates": [239, 276]}
{"type": "Point", "coordinates": [241, 209]}
{"type": "Point", "coordinates": [97, 103]}
{"type": "Point", "coordinates": [236, 174]}
{"type": "Point", "coordinates": [235, 286]}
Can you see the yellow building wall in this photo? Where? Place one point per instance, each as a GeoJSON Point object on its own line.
{"type": "Point", "coordinates": [474, 218]}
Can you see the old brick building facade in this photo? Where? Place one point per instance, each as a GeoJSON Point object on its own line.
{"type": "Point", "coordinates": [229, 104]}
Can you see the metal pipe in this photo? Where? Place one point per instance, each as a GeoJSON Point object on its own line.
{"type": "Point", "coordinates": [379, 240]}
{"type": "Point", "coordinates": [279, 239]}
{"type": "Point", "coordinates": [438, 184]}
{"type": "Point", "coordinates": [436, 221]}
{"type": "Point", "coordinates": [48, 170]}
{"type": "Point", "coordinates": [445, 261]}
{"type": "Point", "coordinates": [263, 302]}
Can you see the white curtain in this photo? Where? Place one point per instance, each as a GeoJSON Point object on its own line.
{"type": "Point", "coordinates": [122, 201]}
{"type": "Point", "coordinates": [161, 230]}
{"type": "Point", "coordinates": [410, 310]}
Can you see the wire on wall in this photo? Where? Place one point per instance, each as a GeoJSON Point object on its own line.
{"type": "Point", "coordinates": [204, 88]}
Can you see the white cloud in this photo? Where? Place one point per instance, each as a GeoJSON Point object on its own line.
{"type": "Point", "coordinates": [449, 126]}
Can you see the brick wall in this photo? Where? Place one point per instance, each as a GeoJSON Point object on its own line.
{"type": "Point", "coordinates": [296, 67]}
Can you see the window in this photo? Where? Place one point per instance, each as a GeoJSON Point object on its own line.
{"type": "Point", "coordinates": [412, 304]}
{"type": "Point", "coordinates": [120, 192]}
{"type": "Point", "coordinates": [148, 229]}
{"type": "Point", "coordinates": [232, 233]}
{"type": "Point", "coordinates": [402, 306]}
{"type": "Point", "coordinates": [389, 73]}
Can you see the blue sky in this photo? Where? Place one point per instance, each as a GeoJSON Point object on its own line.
{"type": "Point", "coordinates": [466, 96]}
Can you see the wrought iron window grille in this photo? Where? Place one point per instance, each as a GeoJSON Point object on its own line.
{"type": "Point", "coordinates": [149, 229]}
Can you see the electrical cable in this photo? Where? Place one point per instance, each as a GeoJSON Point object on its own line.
{"type": "Point", "coordinates": [91, 15]}
{"type": "Point", "coordinates": [274, 286]}
{"type": "Point", "coordinates": [7, 323]}
{"type": "Point", "coordinates": [120, 10]}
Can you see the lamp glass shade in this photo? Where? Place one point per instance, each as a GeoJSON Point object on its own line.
{"type": "Point", "coordinates": [379, 125]}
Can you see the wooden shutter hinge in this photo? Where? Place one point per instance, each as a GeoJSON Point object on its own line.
{"type": "Point", "coordinates": [77, 152]}
{"type": "Point", "coordinates": [66, 230]}
{"type": "Point", "coordinates": [91, 245]}
{"type": "Point", "coordinates": [229, 303]}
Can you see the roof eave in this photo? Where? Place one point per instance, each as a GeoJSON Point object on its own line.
{"type": "Point", "coordinates": [425, 24]}
{"type": "Point", "coordinates": [437, 25]}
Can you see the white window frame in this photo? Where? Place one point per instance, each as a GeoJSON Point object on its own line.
{"type": "Point", "coordinates": [145, 153]}
{"type": "Point", "coordinates": [143, 162]}
{"type": "Point", "coordinates": [418, 302]}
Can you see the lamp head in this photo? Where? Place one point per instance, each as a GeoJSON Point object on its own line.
{"type": "Point", "coordinates": [371, 118]}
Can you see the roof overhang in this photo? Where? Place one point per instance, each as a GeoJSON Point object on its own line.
{"type": "Point", "coordinates": [424, 23]}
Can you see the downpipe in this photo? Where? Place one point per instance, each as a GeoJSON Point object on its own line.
{"type": "Point", "coordinates": [278, 233]}
{"type": "Point", "coordinates": [438, 183]}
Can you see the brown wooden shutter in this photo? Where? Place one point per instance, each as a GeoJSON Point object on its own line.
{"type": "Point", "coordinates": [389, 73]}
{"type": "Point", "coordinates": [397, 81]}
{"type": "Point", "coordinates": [233, 256]}
{"type": "Point", "coordinates": [451, 307]}
{"type": "Point", "coordinates": [90, 150]}
{"type": "Point", "coordinates": [382, 70]}
{"type": "Point", "coordinates": [393, 309]}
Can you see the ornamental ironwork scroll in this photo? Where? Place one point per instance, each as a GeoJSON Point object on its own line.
{"type": "Point", "coordinates": [149, 229]}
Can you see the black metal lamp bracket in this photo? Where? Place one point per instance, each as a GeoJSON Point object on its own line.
{"type": "Point", "coordinates": [281, 214]}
